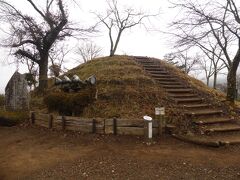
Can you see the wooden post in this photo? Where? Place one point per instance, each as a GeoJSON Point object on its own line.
{"type": "Point", "coordinates": [159, 114]}
{"type": "Point", "coordinates": [148, 127]}
{"type": "Point", "coordinates": [63, 123]}
{"type": "Point", "coordinates": [145, 129]}
{"type": "Point", "coordinates": [33, 117]}
{"type": "Point", "coordinates": [114, 126]}
{"type": "Point", "coordinates": [50, 121]}
{"type": "Point", "coordinates": [160, 125]}
{"type": "Point", "coordinates": [94, 126]}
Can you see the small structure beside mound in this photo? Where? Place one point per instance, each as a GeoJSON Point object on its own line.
{"type": "Point", "coordinates": [71, 96]}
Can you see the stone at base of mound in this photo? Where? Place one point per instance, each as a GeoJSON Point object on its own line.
{"type": "Point", "coordinates": [208, 140]}
{"type": "Point", "coordinates": [196, 140]}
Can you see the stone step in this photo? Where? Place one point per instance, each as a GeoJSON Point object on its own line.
{"type": "Point", "coordinates": [161, 76]}
{"type": "Point", "coordinates": [181, 95]}
{"type": "Point", "coordinates": [169, 82]}
{"type": "Point", "coordinates": [146, 62]}
{"type": "Point", "coordinates": [222, 128]}
{"type": "Point", "coordinates": [173, 86]}
{"type": "Point", "coordinates": [228, 138]}
{"type": "Point", "coordinates": [216, 140]}
{"type": "Point", "coordinates": [166, 79]}
{"type": "Point", "coordinates": [142, 58]}
{"type": "Point", "coordinates": [204, 112]}
{"type": "Point", "coordinates": [151, 66]}
{"type": "Point", "coordinates": [157, 72]}
{"type": "Point", "coordinates": [191, 106]}
{"type": "Point", "coordinates": [184, 100]}
{"type": "Point", "coordinates": [213, 120]}
{"type": "Point", "coordinates": [184, 90]}
{"type": "Point", "coordinates": [154, 69]}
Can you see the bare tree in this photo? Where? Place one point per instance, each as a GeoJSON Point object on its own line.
{"type": "Point", "coordinates": [183, 61]}
{"type": "Point", "coordinates": [89, 51]}
{"type": "Point", "coordinates": [57, 58]}
{"type": "Point", "coordinates": [211, 64]}
{"type": "Point", "coordinates": [219, 21]}
{"type": "Point", "coordinates": [120, 20]}
{"type": "Point", "coordinates": [33, 37]}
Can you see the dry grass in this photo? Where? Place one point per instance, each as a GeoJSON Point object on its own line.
{"type": "Point", "coordinates": [124, 89]}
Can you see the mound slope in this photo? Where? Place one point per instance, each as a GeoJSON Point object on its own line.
{"type": "Point", "coordinates": [124, 89]}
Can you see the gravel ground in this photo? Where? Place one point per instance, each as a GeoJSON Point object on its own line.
{"type": "Point", "coordinates": [36, 153]}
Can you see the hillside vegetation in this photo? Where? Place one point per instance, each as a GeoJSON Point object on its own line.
{"type": "Point", "coordinates": [123, 88]}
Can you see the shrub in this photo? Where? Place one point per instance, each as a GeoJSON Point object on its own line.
{"type": "Point", "coordinates": [10, 118]}
{"type": "Point", "coordinates": [68, 103]}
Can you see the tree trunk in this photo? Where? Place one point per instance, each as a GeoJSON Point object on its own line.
{"type": "Point", "coordinates": [231, 85]}
{"type": "Point", "coordinates": [214, 80]}
{"type": "Point", "coordinates": [43, 74]}
{"type": "Point", "coordinates": [231, 78]}
{"type": "Point", "coordinates": [113, 50]}
{"type": "Point", "coordinates": [111, 53]}
{"type": "Point", "coordinates": [207, 81]}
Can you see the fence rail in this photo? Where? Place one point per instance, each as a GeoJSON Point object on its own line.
{"type": "Point", "coordinates": [94, 125]}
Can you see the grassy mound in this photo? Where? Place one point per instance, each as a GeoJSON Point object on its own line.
{"type": "Point", "coordinates": [123, 88]}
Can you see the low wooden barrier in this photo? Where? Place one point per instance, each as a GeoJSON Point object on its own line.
{"type": "Point", "coordinates": [94, 125]}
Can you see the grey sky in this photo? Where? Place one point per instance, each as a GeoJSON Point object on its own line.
{"type": "Point", "coordinates": [137, 41]}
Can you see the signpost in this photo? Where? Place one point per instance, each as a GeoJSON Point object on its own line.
{"type": "Point", "coordinates": [160, 113]}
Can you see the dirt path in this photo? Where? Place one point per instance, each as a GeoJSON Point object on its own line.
{"type": "Point", "coordinates": [32, 153]}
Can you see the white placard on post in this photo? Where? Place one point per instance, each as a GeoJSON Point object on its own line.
{"type": "Point", "coordinates": [157, 111]}
{"type": "Point", "coordinates": [162, 111]}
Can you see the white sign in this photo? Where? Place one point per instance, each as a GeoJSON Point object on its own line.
{"type": "Point", "coordinates": [157, 111]}
{"type": "Point", "coordinates": [160, 111]}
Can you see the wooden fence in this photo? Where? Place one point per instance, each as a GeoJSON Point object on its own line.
{"type": "Point", "coordinates": [94, 125]}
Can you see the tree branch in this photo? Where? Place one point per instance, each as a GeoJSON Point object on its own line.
{"type": "Point", "coordinates": [26, 54]}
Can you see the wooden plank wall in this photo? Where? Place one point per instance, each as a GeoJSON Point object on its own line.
{"type": "Point", "coordinates": [41, 119]}
{"type": "Point", "coordinates": [97, 125]}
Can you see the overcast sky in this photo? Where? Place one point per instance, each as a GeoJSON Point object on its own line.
{"type": "Point", "coordinates": [136, 41]}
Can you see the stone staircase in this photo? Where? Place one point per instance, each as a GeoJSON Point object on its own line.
{"type": "Point", "coordinates": [213, 124]}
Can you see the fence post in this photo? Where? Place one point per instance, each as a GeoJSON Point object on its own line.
{"type": "Point", "coordinates": [148, 127]}
{"type": "Point", "coordinates": [94, 126]}
{"type": "Point", "coordinates": [63, 123]}
{"type": "Point", "coordinates": [114, 126]}
{"type": "Point", "coordinates": [33, 117]}
{"type": "Point", "coordinates": [50, 121]}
